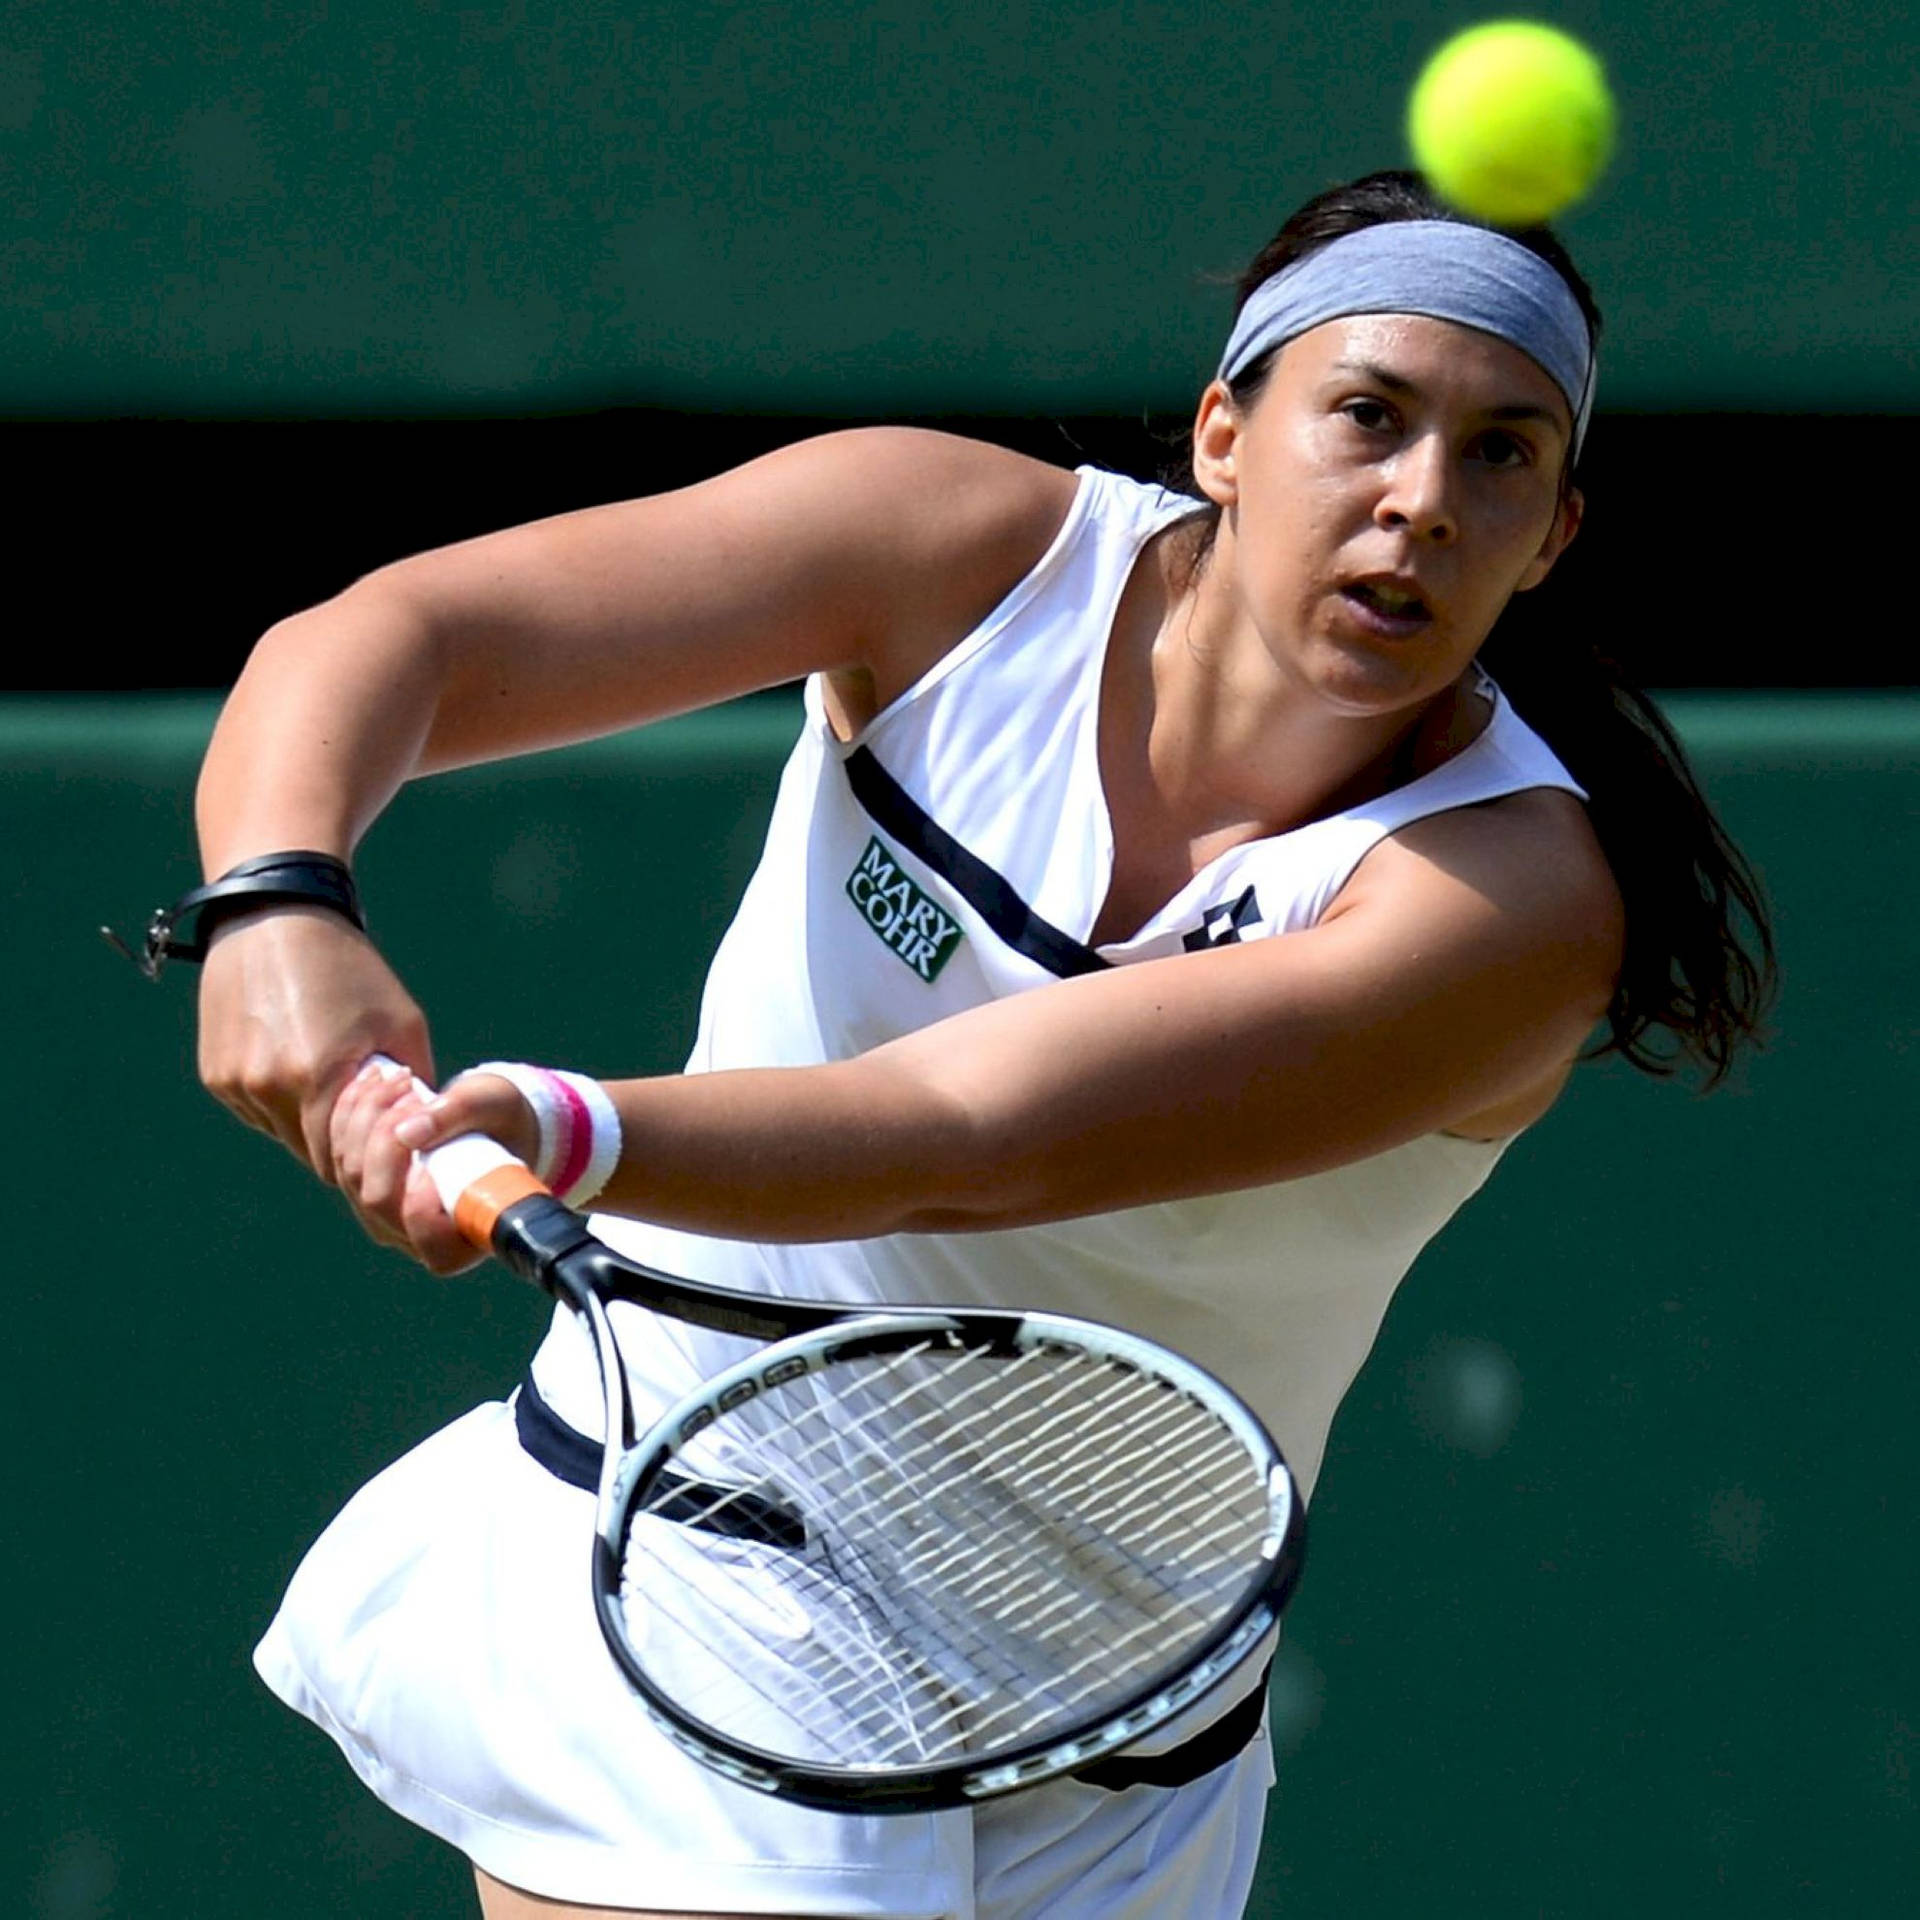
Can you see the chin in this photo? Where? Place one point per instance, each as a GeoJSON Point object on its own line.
{"type": "Point", "coordinates": [1372, 682]}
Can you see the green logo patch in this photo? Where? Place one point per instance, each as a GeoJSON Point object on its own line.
{"type": "Point", "coordinates": [913, 926]}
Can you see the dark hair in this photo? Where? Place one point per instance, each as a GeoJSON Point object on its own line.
{"type": "Point", "coordinates": [1699, 972]}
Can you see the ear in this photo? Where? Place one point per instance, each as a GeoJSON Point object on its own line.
{"type": "Point", "coordinates": [1216, 445]}
{"type": "Point", "coordinates": [1566, 523]}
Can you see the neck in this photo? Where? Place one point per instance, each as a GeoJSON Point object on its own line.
{"type": "Point", "coordinates": [1235, 740]}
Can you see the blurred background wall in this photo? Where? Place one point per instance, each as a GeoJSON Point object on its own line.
{"type": "Point", "coordinates": [1610, 1602]}
{"type": "Point", "coordinates": [331, 206]}
{"type": "Point", "coordinates": [1614, 1552]}
{"type": "Point", "coordinates": [276, 269]}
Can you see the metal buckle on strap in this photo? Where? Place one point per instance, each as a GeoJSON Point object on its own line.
{"type": "Point", "coordinates": [271, 880]}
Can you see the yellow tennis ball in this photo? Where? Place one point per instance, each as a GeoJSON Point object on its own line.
{"type": "Point", "coordinates": [1512, 122]}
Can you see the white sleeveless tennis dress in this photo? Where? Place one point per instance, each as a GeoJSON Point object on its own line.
{"type": "Point", "coordinates": [957, 850]}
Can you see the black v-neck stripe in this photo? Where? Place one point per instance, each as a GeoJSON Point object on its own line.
{"type": "Point", "coordinates": [892, 808]}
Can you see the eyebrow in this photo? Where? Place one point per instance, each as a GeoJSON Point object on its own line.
{"type": "Point", "coordinates": [1399, 383]}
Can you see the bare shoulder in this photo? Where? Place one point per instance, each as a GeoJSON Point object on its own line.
{"type": "Point", "coordinates": [933, 499]}
{"type": "Point", "coordinates": [977, 471]}
{"type": "Point", "coordinates": [1524, 882]}
{"type": "Point", "coordinates": [1532, 856]}
{"type": "Point", "coordinates": [948, 527]}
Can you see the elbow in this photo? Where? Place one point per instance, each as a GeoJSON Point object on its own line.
{"type": "Point", "coordinates": [330, 714]}
{"type": "Point", "coordinates": [990, 1176]}
{"type": "Point", "coordinates": [953, 1161]}
{"type": "Point", "coordinates": [375, 624]}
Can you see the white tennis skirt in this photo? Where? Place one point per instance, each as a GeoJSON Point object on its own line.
{"type": "Point", "coordinates": [442, 1631]}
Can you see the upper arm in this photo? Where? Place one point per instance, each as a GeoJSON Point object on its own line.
{"type": "Point", "coordinates": [873, 548]}
{"type": "Point", "coordinates": [1470, 957]}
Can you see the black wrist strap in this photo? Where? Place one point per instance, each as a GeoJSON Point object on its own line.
{"type": "Point", "coordinates": [181, 931]}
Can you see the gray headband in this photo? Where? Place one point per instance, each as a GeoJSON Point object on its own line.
{"type": "Point", "coordinates": [1442, 269]}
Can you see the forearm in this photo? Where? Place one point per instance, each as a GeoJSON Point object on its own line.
{"type": "Point", "coordinates": [838, 1152]}
{"type": "Point", "coordinates": [329, 718]}
{"type": "Point", "coordinates": [1080, 1098]}
{"type": "Point", "coordinates": [1162, 1081]}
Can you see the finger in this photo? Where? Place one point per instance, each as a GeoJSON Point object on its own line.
{"type": "Point", "coordinates": [384, 1163]}
{"type": "Point", "coordinates": [249, 1113]}
{"type": "Point", "coordinates": [435, 1241]}
{"type": "Point", "coordinates": [378, 1218]}
{"type": "Point", "coordinates": [356, 1111]}
{"type": "Point", "coordinates": [474, 1103]}
{"type": "Point", "coordinates": [345, 1126]}
{"type": "Point", "coordinates": [280, 1122]}
{"type": "Point", "coordinates": [409, 1051]}
{"type": "Point", "coordinates": [258, 1084]}
{"type": "Point", "coordinates": [381, 1231]}
{"type": "Point", "coordinates": [236, 1091]}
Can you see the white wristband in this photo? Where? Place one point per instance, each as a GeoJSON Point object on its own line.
{"type": "Point", "coordinates": [579, 1128]}
{"type": "Point", "coordinates": [598, 1153]}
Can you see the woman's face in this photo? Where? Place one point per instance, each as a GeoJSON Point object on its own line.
{"type": "Point", "coordinates": [1395, 482]}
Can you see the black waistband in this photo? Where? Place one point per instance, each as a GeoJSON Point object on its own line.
{"type": "Point", "coordinates": [572, 1456]}
{"type": "Point", "coordinates": [1213, 1746]}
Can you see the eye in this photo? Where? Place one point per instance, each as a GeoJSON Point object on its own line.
{"type": "Point", "coordinates": [1369, 415]}
{"type": "Point", "coordinates": [1499, 448]}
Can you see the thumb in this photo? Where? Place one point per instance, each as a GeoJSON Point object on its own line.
{"type": "Point", "coordinates": [472, 1103]}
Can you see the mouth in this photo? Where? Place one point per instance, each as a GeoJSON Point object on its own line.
{"type": "Point", "coordinates": [1388, 606]}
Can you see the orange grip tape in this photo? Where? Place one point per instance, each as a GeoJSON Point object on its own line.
{"type": "Point", "coordinates": [475, 1212]}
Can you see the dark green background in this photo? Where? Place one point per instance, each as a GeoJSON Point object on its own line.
{"type": "Point", "coordinates": [869, 206]}
{"type": "Point", "coordinates": [1610, 1606]}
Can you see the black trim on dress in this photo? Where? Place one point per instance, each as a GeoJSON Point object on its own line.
{"type": "Point", "coordinates": [891, 807]}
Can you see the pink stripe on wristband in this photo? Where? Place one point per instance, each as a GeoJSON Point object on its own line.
{"type": "Point", "coordinates": [575, 1152]}
{"type": "Point", "coordinates": [601, 1131]}
{"type": "Point", "coordinates": [577, 1123]}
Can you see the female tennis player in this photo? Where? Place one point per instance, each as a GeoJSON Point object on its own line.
{"type": "Point", "coordinates": [1173, 906]}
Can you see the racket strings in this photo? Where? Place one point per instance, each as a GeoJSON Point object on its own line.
{"type": "Point", "coordinates": [1049, 1603]}
{"type": "Point", "coordinates": [996, 1552]}
{"type": "Point", "coordinates": [999, 1574]}
{"type": "Point", "coordinates": [991, 1548]}
{"type": "Point", "coordinates": [1025, 1461]}
{"type": "Point", "coordinates": [995, 1588]}
{"type": "Point", "coordinates": [997, 1545]}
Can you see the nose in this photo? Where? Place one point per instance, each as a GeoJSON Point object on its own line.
{"type": "Point", "coordinates": [1418, 497]}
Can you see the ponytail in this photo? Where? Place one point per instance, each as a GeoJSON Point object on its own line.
{"type": "Point", "coordinates": [1699, 969]}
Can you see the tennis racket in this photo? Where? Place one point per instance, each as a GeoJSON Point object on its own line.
{"type": "Point", "coordinates": [897, 1561]}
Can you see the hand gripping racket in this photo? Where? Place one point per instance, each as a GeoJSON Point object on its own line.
{"type": "Point", "coordinates": [897, 1561]}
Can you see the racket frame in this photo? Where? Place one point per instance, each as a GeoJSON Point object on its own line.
{"type": "Point", "coordinates": [502, 1207]}
{"type": "Point", "coordinates": [1152, 1705]}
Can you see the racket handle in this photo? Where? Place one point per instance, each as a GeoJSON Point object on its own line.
{"type": "Point", "coordinates": [476, 1178]}
{"type": "Point", "coordinates": [455, 1165]}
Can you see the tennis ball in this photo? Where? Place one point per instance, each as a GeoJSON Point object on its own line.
{"type": "Point", "coordinates": [1511, 121]}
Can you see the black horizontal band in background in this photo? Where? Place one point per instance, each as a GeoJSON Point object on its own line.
{"type": "Point", "coordinates": [1711, 555]}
